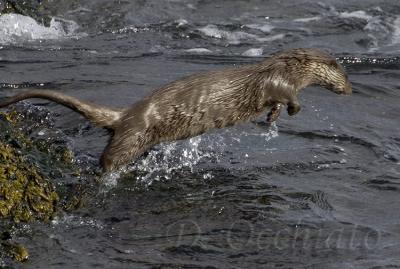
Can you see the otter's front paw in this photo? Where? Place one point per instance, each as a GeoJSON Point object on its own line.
{"type": "Point", "coordinates": [293, 109]}
{"type": "Point", "coordinates": [274, 113]}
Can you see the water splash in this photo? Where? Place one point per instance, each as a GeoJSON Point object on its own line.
{"type": "Point", "coordinates": [77, 221]}
{"type": "Point", "coordinates": [16, 28]}
{"type": "Point", "coordinates": [272, 132]}
{"type": "Point", "coordinates": [161, 162]}
{"type": "Point", "coordinates": [170, 158]}
{"type": "Point", "coordinates": [233, 38]}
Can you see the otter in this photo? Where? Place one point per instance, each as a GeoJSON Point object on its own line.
{"type": "Point", "coordinates": [195, 104]}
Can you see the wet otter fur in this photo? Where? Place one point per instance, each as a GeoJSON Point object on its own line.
{"type": "Point", "coordinates": [195, 104]}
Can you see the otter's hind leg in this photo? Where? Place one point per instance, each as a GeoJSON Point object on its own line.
{"type": "Point", "coordinates": [124, 148]}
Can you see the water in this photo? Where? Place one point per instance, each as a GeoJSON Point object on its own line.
{"type": "Point", "coordinates": [320, 190]}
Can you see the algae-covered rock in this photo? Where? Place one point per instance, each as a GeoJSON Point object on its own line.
{"type": "Point", "coordinates": [34, 158]}
{"type": "Point", "coordinates": [9, 248]}
{"type": "Point", "coordinates": [24, 193]}
{"type": "Point", "coordinates": [15, 251]}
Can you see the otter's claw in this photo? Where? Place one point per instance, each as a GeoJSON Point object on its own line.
{"type": "Point", "coordinates": [274, 113]}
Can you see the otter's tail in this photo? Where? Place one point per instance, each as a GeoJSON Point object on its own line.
{"type": "Point", "coordinates": [101, 116]}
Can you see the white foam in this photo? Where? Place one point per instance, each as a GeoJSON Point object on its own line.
{"type": "Point", "coordinates": [15, 28]}
{"type": "Point", "coordinates": [266, 28]}
{"type": "Point", "coordinates": [181, 22]}
{"type": "Point", "coordinates": [232, 37]}
{"type": "Point", "coordinates": [213, 31]}
{"type": "Point", "coordinates": [303, 20]}
{"type": "Point", "coordinates": [271, 38]}
{"type": "Point", "coordinates": [254, 52]}
{"type": "Point", "coordinates": [359, 14]}
{"type": "Point", "coordinates": [199, 50]}
{"type": "Point", "coordinates": [236, 37]}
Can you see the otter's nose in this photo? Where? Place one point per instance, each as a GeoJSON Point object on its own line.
{"type": "Point", "coordinates": [347, 89]}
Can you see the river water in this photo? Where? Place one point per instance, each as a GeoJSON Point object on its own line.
{"type": "Point", "coordinates": [318, 190]}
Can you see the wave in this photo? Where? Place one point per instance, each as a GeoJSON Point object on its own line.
{"type": "Point", "coordinates": [253, 52]}
{"type": "Point", "coordinates": [238, 37]}
{"type": "Point", "coordinates": [396, 31]}
{"type": "Point", "coordinates": [359, 14]}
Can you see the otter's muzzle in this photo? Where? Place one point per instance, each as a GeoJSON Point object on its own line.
{"type": "Point", "coordinates": [347, 90]}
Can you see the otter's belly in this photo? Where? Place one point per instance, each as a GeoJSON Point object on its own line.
{"type": "Point", "coordinates": [190, 125]}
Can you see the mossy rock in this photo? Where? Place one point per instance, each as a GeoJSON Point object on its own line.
{"type": "Point", "coordinates": [24, 193]}
{"type": "Point", "coordinates": [28, 167]}
{"type": "Point", "coordinates": [14, 250]}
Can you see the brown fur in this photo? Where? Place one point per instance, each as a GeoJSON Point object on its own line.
{"type": "Point", "coordinates": [193, 105]}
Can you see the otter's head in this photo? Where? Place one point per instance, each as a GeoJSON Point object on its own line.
{"type": "Point", "coordinates": [315, 67]}
{"type": "Point", "coordinates": [331, 75]}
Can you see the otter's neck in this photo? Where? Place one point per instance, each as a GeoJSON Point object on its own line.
{"type": "Point", "coordinates": [319, 74]}
{"type": "Point", "coordinates": [311, 73]}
